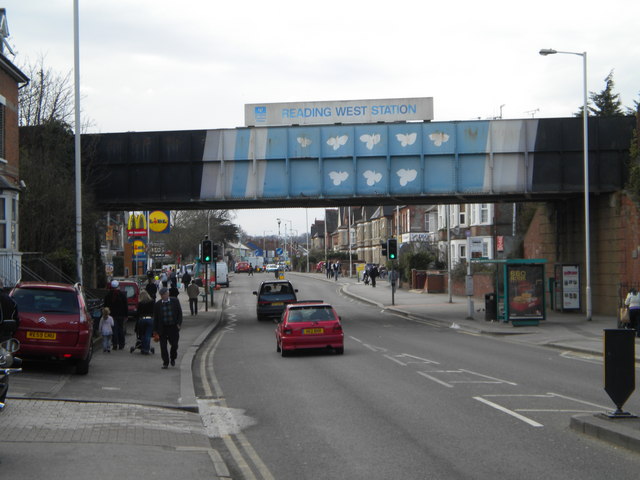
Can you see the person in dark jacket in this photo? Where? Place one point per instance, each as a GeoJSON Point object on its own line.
{"type": "Point", "coordinates": [167, 319]}
{"type": "Point", "coordinates": [151, 288]}
{"type": "Point", "coordinates": [144, 326]}
{"type": "Point", "coordinates": [116, 302]}
{"type": "Point", "coordinates": [186, 280]}
{"type": "Point", "coordinates": [8, 310]}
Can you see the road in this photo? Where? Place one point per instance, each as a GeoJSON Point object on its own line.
{"type": "Point", "coordinates": [407, 400]}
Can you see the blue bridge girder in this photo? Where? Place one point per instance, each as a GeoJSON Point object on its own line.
{"type": "Point", "coordinates": [482, 161]}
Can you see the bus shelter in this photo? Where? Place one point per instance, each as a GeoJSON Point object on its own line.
{"type": "Point", "coordinates": [520, 294]}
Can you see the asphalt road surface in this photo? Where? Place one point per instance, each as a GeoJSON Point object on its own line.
{"type": "Point", "coordinates": [408, 400]}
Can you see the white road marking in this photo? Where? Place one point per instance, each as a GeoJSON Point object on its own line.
{"type": "Point", "coordinates": [495, 380]}
{"type": "Point", "coordinates": [434, 379]}
{"type": "Point", "coordinates": [527, 420]}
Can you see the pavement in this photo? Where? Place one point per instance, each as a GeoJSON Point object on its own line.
{"type": "Point", "coordinates": [162, 404]}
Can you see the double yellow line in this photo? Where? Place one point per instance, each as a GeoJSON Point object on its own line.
{"type": "Point", "coordinates": [238, 445]}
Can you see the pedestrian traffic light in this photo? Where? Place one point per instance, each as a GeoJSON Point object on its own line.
{"type": "Point", "coordinates": [206, 251]}
{"type": "Point", "coordinates": [392, 248]}
{"type": "Point", "coordinates": [383, 249]}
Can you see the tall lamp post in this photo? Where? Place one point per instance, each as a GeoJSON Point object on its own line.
{"type": "Point", "coordinates": [585, 147]}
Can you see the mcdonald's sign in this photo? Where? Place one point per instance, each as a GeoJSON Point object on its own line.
{"type": "Point", "coordinates": [137, 225]}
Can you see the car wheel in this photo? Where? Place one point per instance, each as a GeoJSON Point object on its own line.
{"type": "Point", "coordinates": [284, 353]}
{"type": "Point", "coordinates": [277, 347]}
{"type": "Point", "coordinates": [339, 350]}
{"type": "Point", "coordinates": [82, 366]}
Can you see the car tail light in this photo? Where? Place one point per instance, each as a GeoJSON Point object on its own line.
{"type": "Point", "coordinates": [83, 318]}
{"type": "Point", "coordinates": [337, 328]}
{"type": "Point", "coordinates": [262, 302]}
{"type": "Point", "coordinates": [287, 331]}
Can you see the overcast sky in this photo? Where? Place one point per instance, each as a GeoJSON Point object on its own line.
{"type": "Point", "coordinates": [149, 65]}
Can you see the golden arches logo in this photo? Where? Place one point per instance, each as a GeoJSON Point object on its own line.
{"type": "Point", "coordinates": [137, 221]}
{"type": "Point", "coordinates": [159, 221]}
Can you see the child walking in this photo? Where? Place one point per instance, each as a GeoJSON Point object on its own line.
{"type": "Point", "coordinates": [106, 329]}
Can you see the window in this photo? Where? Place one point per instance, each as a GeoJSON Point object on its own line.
{"type": "Point", "coordinates": [9, 220]}
{"type": "Point", "coordinates": [430, 222]}
{"type": "Point", "coordinates": [462, 218]}
{"type": "Point", "coordinates": [484, 213]}
{"type": "Point", "coordinates": [3, 103]}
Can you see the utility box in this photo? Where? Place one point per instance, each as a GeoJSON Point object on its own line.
{"type": "Point", "coordinates": [490, 306]}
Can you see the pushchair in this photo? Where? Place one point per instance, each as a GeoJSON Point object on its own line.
{"type": "Point", "coordinates": [365, 278]}
{"type": "Point", "coordinates": [139, 329]}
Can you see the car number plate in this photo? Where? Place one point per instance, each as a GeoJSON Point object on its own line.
{"type": "Point", "coordinates": [42, 335]}
{"type": "Point", "coordinates": [310, 331]}
{"type": "Point", "coordinates": [277, 303]}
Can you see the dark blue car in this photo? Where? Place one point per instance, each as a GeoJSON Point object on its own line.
{"type": "Point", "coordinates": [273, 297]}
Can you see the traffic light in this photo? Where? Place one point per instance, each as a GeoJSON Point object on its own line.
{"type": "Point", "coordinates": [206, 251]}
{"type": "Point", "coordinates": [392, 248]}
{"type": "Point", "coordinates": [383, 249]}
{"type": "Point", "coordinates": [214, 252]}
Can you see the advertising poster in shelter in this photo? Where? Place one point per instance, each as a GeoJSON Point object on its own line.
{"type": "Point", "coordinates": [526, 291]}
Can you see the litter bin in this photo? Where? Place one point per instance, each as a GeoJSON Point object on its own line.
{"type": "Point", "coordinates": [490, 306]}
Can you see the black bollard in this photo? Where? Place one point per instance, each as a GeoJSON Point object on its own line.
{"type": "Point", "coordinates": [619, 368]}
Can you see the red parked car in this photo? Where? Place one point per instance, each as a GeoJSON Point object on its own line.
{"type": "Point", "coordinates": [54, 323]}
{"type": "Point", "coordinates": [309, 324]}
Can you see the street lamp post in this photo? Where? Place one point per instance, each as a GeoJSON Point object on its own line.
{"type": "Point", "coordinates": [585, 147]}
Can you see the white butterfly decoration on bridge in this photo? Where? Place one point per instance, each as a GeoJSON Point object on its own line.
{"type": "Point", "coordinates": [338, 177]}
{"type": "Point", "coordinates": [438, 138]}
{"type": "Point", "coordinates": [304, 141]}
{"type": "Point", "coordinates": [406, 176]}
{"type": "Point", "coordinates": [370, 140]}
{"type": "Point", "coordinates": [372, 177]}
{"type": "Point", "coordinates": [407, 138]}
{"type": "Point", "coordinates": [337, 141]}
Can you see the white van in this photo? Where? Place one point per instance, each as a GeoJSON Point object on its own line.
{"type": "Point", "coordinates": [222, 274]}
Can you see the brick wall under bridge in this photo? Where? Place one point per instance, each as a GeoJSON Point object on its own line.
{"type": "Point", "coordinates": [556, 234]}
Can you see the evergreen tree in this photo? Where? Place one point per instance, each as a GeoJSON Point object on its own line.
{"type": "Point", "coordinates": [606, 103]}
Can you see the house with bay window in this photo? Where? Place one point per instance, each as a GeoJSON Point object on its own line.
{"type": "Point", "coordinates": [11, 80]}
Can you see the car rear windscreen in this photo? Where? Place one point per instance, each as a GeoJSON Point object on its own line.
{"type": "Point", "coordinates": [46, 301]}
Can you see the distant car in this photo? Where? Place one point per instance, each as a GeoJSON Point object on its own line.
{"type": "Point", "coordinates": [271, 267]}
{"type": "Point", "coordinates": [309, 324]}
{"type": "Point", "coordinates": [54, 323]}
{"type": "Point", "coordinates": [273, 297]}
{"type": "Point", "coordinates": [242, 267]}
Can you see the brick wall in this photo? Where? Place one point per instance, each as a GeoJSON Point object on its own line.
{"type": "Point", "coordinates": [557, 234]}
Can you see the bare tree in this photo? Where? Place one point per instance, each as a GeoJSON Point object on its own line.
{"type": "Point", "coordinates": [47, 97]}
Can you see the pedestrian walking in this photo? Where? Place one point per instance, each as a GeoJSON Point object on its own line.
{"type": "Point", "coordinates": [633, 302]}
{"type": "Point", "coordinates": [251, 270]}
{"type": "Point", "coordinates": [106, 329]}
{"type": "Point", "coordinates": [167, 319]}
{"type": "Point", "coordinates": [193, 290]}
{"type": "Point", "coordinates": [173, 279]}
{"type": "Point", "coordinates": [144, 326]}
{"type": "Point", "coordinates": [336, 270]}
{"type": "Point", "coordinates": [186, 280]}
{"type": "Point", "coordinates": [151, 288]}
{"type": "Point", "coordinates": [116, 302]}
{"type": "Point", "coordinates": [328, 270]}
{"type": "Point", "coordinates": [164, 279]}
{"type": "Point", "coordinates": [373, 274]}
{"type": "Point", "coordinates": [173, 291]}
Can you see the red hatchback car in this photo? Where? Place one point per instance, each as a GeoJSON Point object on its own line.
{"type": "Point", "coordinates": [54, 323]}
{"type": "Point", "coordinates": [309, 324]}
